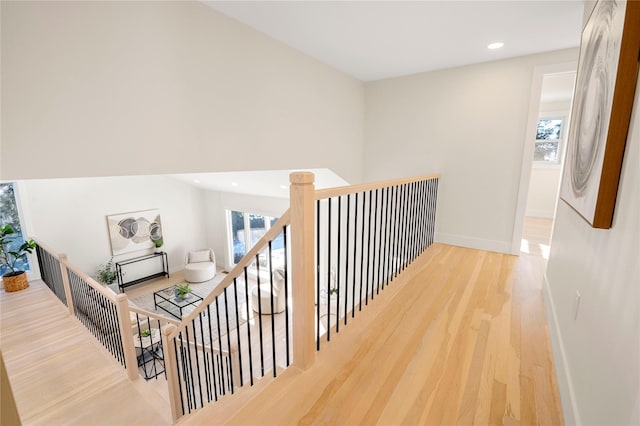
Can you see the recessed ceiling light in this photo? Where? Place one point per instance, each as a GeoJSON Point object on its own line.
{"type": "Point", "coordinates": [234, 183]}
{"type": "Point", "coordinates": [196, 181]}
{"type": "Point", "coordinates": [496, 45]}
{"type": "Point", "coordinates": [283, 186]}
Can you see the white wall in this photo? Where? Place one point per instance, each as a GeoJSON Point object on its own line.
{"type": "Point", "coordinates": [132, 88]}
{"type": "Point", "coordinates": [543, 191]}
{"type": "Point", "coordinates": [217, 203]}
{"type": "Point", "coordinates": [468, 123]}
{"type": "Point", "coordinates": [70, 215]}
{"type": "Point", "coordinates": [597, 354]}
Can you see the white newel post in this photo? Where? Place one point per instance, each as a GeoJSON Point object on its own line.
{"type": "Point", "coordinates": [302, 197]}
{"type": "Point", "coordinates": [65, 282]}
{"type": "Point", "coordinates": [124, 319]}
{"type": "Point", "coordinates": [170, 363]}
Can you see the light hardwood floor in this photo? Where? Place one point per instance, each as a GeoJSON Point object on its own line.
{"type": "Point", "coordinates": [536, 236]}
{"type": "Point", "coordinates": [462, 342]}
{"type": "Point", "coordinates": [461, 339]}
{"type": "Point", "coordinates": [59, 373]}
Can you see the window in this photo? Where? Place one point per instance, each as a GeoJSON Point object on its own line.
{"type": "Point", "coordinates": [548, 140]}
{"type": "Point", "coordinates": [246, 229]}
{"type": "Point", "coordinates": [9, 215]}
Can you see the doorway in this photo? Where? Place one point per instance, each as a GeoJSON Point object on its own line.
{"type": "Point", "coordinates": [545, 145]}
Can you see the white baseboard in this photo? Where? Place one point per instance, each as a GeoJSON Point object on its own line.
{"type": "Point", "coordinates": [475, 243]}
{"type": "Point", "coordinates": [563, 374]}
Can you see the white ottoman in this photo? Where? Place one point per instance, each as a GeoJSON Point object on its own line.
{"type": "Point", "coordinates": [200, 266]}
{"type": "Point", "coordinates": [199, 272]}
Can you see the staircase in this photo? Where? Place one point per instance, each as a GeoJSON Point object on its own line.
{"type": "Point", "coordinates": [60, 374]}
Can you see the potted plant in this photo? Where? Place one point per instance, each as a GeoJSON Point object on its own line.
{"type": "Point", "coordinates": [106, 274]}
{"type": "Point", "coordinates": [145, 333]}
{"type": "Point", "coordinates": [182, 291]}
{"type": "Point", "coordinates": [10, 258]}
{"type": "Point", "coordinates": [158, 244]}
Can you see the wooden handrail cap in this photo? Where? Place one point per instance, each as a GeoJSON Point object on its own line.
{"type": "Point", "coordinates": [299, 178]}
{"type": "Point", "coordinates": [168, 329]}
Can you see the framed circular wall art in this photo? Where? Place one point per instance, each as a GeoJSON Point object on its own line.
{"type": "Point", "coordinates": [604, 93]}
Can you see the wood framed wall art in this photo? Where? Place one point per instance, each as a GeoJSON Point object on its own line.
{"type": "Point", "coordinates": [604, 93]}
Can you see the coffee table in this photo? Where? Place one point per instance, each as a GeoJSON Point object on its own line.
{"type": "Point", "coordinates": [166, 300]}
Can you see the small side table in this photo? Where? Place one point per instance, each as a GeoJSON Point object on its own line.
{"type": "Point", "coordinates": [149, 353]}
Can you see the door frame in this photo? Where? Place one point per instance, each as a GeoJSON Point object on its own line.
{"type": "Point", "coordinates": [529, 144]}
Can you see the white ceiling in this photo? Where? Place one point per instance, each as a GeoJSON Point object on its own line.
{"type": "Point", "coordinates": [270, 183]}
{"type": "Point", "coordinates": [373, 40]}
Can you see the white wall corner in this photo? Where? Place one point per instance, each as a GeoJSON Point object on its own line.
{"type": "Point", "coordinates": [474, 243]}
{"type": "Point", "coordinates": [563, 374]}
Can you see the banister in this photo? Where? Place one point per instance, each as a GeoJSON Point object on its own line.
{"type": "Point", "coordinates": [322, 194]}
{"type": "Point", "coordinates": [246, 261]}
{"type": "Point", "coordinates": [153, 315]}
{"type": "Point", "coordinates": [47, 248]}
{"type": "Point", "coordinates": [108, 293]}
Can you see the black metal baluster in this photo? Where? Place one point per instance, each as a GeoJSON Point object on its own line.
{"type": "Point", "coordinates": [226, 317]}
{"type": "Point", "coordinates": [318, 281]}
{"type": "Point", "coordinates": [286, 291]}
{"type": "Point", "coordinates": [436, 182]}
{"type": "Point", "coordinates": [387, 249]}
{"type": "Point", "coordinates": [412, 222]}
{"type": "Point", "coordinates": [329, 270]}
{"type": "Point", "coordinates": [223, 391]}
{"type": "Point", "coordinates": [355, 252]}
{"type": "Point", "coordinates": [212, 357]}
{"type": "Point", "coordinates": [366, 296]}
{"type": "Point", "coordinates": [235, 299]}
{"type": "Point", "coordinates": [195, 351]}
{"type": "Point", "coordinates": [396, 251]}
{"type": "Point", "coordinates": [338, 271]}
{"type": "Point", "coordinates": [382, 239]}
{"type": "Point", "coordinates": [260, 315]}
{"type": "Point", "coordinates": [425, 216]}
{"type": "Point", "coordinates": [373, 248]}
{"type": "Point", "coordinates": [205, 364]}
{"type": "Point", "coordinates": [421, 221]}
{"type": "Point", "coordinates": [362, 279]}
{"type": "Point", "coordinates": [346, 260]}
{"type": "Point", "coordinates": [249, 345]}
{"type": "Point", "coordinates": [175, 351]}
{"type": "Point", "coordinates": [390, 209]}
{"type": "Point", "coordinates": [273, 321]}
{"type": "Point", "coordinates": [403, 231]}
{"type": "Point", "coordinates": [431, 209]}
{"type": "Point", "coordinates": [191, 381]}
{"type": "Point", "coordinates": [405, 216]}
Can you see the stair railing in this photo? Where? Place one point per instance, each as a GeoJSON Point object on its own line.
{"type": "Point", "coordinates": [366, 235]}
{"type": "Point", "coordinates": [346, 245]}
{"type": "Point", "coordinates": [239, 332]}
{"type": "Point", "coordinates": [104, 313]}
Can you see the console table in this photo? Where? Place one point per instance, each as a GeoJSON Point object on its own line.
{"type": "Point", "coordinates": [148, 257]}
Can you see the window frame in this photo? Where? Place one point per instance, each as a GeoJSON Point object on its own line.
{"type": "Point", "coordinates": [553, 115]}
{"type": "Point", "coordinates": [247, 234]}
{"type": "Point", "coordinates": [19, 193]}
